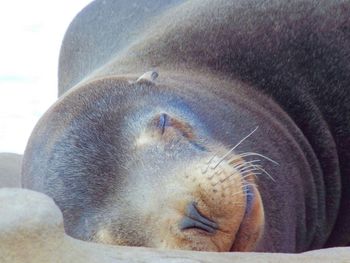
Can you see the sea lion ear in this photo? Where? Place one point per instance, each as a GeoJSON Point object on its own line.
{"type": "Point", "coordinates": [148, 76]}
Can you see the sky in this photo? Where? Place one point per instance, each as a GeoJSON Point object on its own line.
{"type": "Point", "coordinates": [31, 35]}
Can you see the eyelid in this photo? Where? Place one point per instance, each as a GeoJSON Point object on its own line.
{"type": "Point", "coordinates": [163, 122]}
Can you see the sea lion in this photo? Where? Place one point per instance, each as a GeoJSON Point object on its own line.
{"type": "Point", "coordinates": [240, 144]}
{"type": "Point", "coordinates": [10, 170]}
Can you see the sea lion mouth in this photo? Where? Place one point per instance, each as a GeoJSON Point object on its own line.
{"type": "Point", "coordinates": [195, 220]}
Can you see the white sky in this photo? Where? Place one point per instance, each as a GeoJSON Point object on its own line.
{"type": "Point", "coordinates": [31, 34]}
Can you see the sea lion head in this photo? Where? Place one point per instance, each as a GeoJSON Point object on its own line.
{"type": "Point", "coordinates": [147, 172]}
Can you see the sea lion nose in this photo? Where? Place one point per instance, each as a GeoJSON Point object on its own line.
{"type": "Point", "coordinates": [194, 219]}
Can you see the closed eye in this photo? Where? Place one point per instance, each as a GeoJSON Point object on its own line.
{"type": "Point", "coordinates": [163, 122]}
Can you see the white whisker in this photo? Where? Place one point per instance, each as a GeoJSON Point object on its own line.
{"type": "Point", "coordinates": [248, 167]}
{"type": "Point", "coordinates": [227, 177]}
{"type": "Point", "coordinates": [211, 159]}
{"type": "Point", "coordinates": [240, 166]}
{"type": "Point", "coordinates": [246, 154]}
{"type": "Point", "coordinates": [234, 147]}
{"type": "Point", "coordinates": [245, 164]}
{"type": "Point", "coordinates": [208, 163]}
{"type": "Point", "coordinates": [269, 175]}
{"type": "Point", "coordinates": [249, 174]}
{"type": "Point", "coordinates": [249, 171]}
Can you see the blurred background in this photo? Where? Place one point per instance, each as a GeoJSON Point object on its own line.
{"type": "Point", "coordinates": [31, 35]}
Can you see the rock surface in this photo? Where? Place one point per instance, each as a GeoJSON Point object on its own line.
{"type": "Point", "coordinates": [31, 230]}
{"type": "Point", "coordinates": [10, 170]}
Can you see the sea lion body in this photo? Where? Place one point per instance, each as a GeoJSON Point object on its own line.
{"type": "Point", "coordinates": [125, 158]}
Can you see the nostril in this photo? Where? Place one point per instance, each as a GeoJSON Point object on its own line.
{"type": "Point", "coordinates": [188, 223]}
{"type": "Point", "coordinates": [192, 212]}
{"type": "Point", "coordinates": [194, 219]}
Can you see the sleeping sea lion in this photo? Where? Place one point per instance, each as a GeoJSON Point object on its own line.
{"type": "Point", "coordinates": [240, 144]}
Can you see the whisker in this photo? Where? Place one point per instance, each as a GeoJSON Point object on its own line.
{"type": "Point", "coordinates": [245, 176]}
{"type": "Point", "coordinates": [254, 160]}
{"type": "Point", "coordinates": [269, 175]}
{"type": "Point", "coordinates": [234, 147]}
{"type": "Point", "coordinates": [248, 167]}
{"type": "Point", "coordinates": [227, 177]}
{"type": "Point", "coordinates": [241, 166]}
{"type": "Point", "coordinates": [211, 159]}
{"type": "Point", "coordinates": [208, 163]}
{"type": "Point", "coordinates": [237, 174]}
{"type": "Point", "coordinates": [243, 173]}
{"type": "Point", "coordinates": [245, 164]}
{"type": "Point", "coordinates": [251, 165]}
{"type": "Point", "coordinates": [235, 158]}
{"type": "Point", "coordinates": [248, 173]}
{"type": "Point", "coordinates": [246, 154]}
